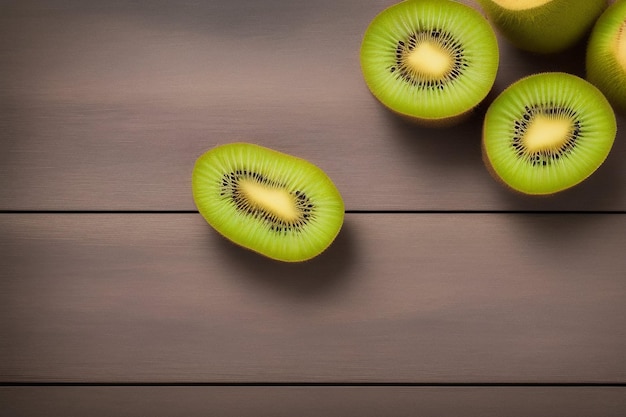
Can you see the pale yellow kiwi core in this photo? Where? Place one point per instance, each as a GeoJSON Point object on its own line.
{"type": "Point", "coordinates": [620, 46]}
{"type": "Point", "coordinates": [275, 201]}
{"type": "Point", "coordinates": [522, 4]}
{"type": "Point", "coordinates": [547, 133]}
{"type": "Point", "coordinates": [429, 60]}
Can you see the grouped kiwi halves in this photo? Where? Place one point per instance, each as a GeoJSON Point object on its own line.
{"type": "Point", "coordinates": [275, 204]}
{"type": "Point", "coordinates": [543, 26]}
{"type": "Point", "coordinates": [431, 60]}
{"type": "Point", "coordinates": [547, 132]}
{"type": "Point", "coordinates": [606, 54]}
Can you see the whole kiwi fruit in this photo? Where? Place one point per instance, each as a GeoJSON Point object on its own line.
{"type": "Point", "coordinates": [606, 55]}
{"type": "Point", "coordinates": [543, 26]}
{"type": "Point", "coordinates": [432, 61]}
{"type": "Point", "coordinates": [547, 132]}
{"type": "Point", "coordinates": [276, 204]}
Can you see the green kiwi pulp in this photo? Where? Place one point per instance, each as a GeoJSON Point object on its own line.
{"type": "Point", "coordinates": [543, 26]}
{"type": "Point", "coordinates": [429, 60]}
{"type": "Point", "coordinates": [547, 132]}
{"type": "Point", "coordinates": [275, 204]}
{"type": "Point", "coordinates": [606, 54]}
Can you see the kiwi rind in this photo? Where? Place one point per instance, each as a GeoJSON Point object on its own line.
{"type": "Point", "coordinates": [434, 102]}
{"type": "Point", "coordinates": [217, 179]}
{"type": "Point", "coordinates": [594, 129]}
{"type": "Point", "coordinates": [603, 67]}
{"type": "Point", "coordinates": [549, 28]}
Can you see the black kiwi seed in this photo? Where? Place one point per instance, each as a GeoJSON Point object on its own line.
{"type": "Point", "coordinates": [548, 156]}
{"type": "Point", "coordinates": [278, 205]}
{"type": "Point", "coordinates": [547, 132]}
{"type": "Point", "coordinates": [430, 60]}
{"type": "Point", "coordinates": [446, 41]}
{"type": "Point", "coordinates": [230, 191]}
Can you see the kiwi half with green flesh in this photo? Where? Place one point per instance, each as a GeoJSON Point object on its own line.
{"type": "Point", "coordinates": [430, 60]}
{"type": "Point", "coordinates": [606, 54]}
{"type": "Point", "coordinates": [543, 26]}
{"type": "Point", "coordinates": [547, 132]}
{"type": "Point", "coordinates": [275, 204]}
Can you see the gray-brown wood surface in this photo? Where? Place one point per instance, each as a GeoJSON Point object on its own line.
{"type": "Point", "coordinates": [444, 294]}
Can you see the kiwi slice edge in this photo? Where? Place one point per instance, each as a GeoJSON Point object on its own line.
{"type": "Point", "coordinates": [543, 26]}
{"type": "Point", "coordinates": [547, 132]}
{"type": "Point", "coordinates": [606, 55]}
{"type": "Point", "coordinates": [431, 61]}
{"type": "Point", "coordinates": [278, 205]}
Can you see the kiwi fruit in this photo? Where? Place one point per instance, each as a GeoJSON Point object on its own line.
{"type": "Point", "coordinates": [432, 61]}
{"type": "Point", "coordinates": [547, 132]}
{"type": "Point", "coordinates": [543, 26]}
{"type": "Point", "coordinates": [278, 205]}
{"type": "Point", "coordinates": [606, 55]}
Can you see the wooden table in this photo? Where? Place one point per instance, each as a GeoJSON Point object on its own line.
{"type": "Point", "coordinates": [444, 294]}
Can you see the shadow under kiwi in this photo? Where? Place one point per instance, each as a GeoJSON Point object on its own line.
{"type": "Point", "coordinates": [604, 190]}
{"type": "Point", "coordinates": [321, 276]}
{"type": "Point", "coordinates": [455, 147]}
{"type": "Point", "coordinates": [516, 63]}
{"type": "Point", "coordinates": [458, 146]}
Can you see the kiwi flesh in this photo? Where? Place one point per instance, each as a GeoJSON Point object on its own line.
{"type": "Point", "coordinates": [606, 55]}
{"type": "Point", "coordinates": [547, 132]}
{"type": "Point", "coordinates": [276, 204]}
{"type": "Point", "coordinates": [543, 26]}
{"type": "Point", "coordinates": [431, 61]}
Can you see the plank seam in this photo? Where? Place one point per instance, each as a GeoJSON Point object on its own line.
{"type": "Point", "coordinates": [319, 384]}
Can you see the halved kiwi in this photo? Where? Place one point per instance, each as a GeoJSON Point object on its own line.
{"type": "Point", "coordinates": [430, 60]}
{"type": "Point", "coordinates": [275, 204]}
{"type": "Point", "coordinates": [543, 26]}
{"type": "Point", "coordinates": [606, 54]}
{"type": "Point", "coordinates": [547, 132]}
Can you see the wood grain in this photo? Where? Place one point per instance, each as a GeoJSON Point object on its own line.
{"type": "Point", "coordinates": [397, 298]}
{"type": "Point", "coordinates": [313, 401]}
{"type": "Point", "coordinates": [107, 106]}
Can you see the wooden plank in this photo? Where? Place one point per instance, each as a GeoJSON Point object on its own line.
{"type": "Point", "coordinates": [107, 107]}
{"type": "Point", "coordinates": [397, 298]}
{"type": "Point", "coordinates": [313, 401]}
